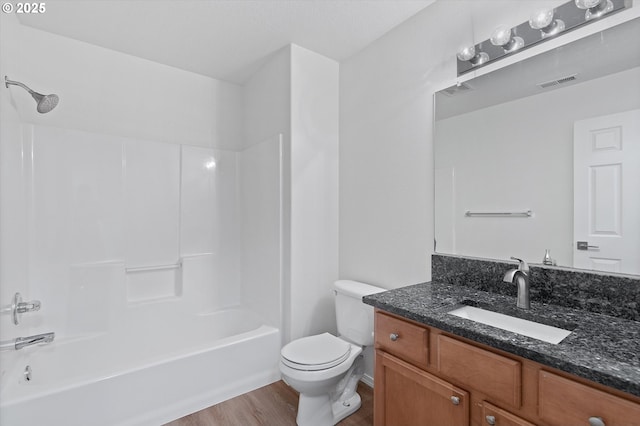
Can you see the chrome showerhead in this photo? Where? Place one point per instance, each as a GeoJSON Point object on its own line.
{"type": "Point", "coordinates": [45, 102]}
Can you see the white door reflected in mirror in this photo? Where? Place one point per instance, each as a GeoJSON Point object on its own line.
{"type": "Point", "coordinates": [607, 171]}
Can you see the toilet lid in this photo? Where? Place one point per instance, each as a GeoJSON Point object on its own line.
{"type": "Point", "coordinates": [317, 352]}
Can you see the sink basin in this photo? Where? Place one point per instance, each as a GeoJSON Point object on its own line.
{"type": "Point", "coordinates": [527, 328]}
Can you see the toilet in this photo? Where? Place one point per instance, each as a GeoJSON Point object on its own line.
{"type": "Point", "coordinates": [325, 369]}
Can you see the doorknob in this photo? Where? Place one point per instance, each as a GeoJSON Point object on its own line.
{"type": "Point", "coordinates": [584, 245]}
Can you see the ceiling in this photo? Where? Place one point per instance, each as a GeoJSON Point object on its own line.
{"type": "Point", "coordinates": [223, 39]}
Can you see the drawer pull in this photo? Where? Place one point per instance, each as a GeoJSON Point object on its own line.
{"type": "Point", "coordinates": [394, 336]}
{"type": "Point", "coordinates": [491, 420]}
{"type": "Point", "coordinates": [596, 421]}
{"type": "Point", "coordinates": [455, 400]}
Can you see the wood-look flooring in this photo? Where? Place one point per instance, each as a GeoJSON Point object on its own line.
{"type": "Point", "coordinates": [272, 405]}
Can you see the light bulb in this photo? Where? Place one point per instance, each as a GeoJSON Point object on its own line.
{"type": "Point", "coordinates": [586, 4]}
{"type": "Point", "coordinates": [541, 19]}
{"type": "Point", "coordinates": [466, 53]}
{"type": "Point", "coordinates": [501, 36]}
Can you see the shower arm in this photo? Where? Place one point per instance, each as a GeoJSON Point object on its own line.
{"type": "Point", "coordinates": [7, 82]}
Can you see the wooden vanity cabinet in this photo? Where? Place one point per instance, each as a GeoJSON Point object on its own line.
{"type": "Point", "coordinates": [424, 376]}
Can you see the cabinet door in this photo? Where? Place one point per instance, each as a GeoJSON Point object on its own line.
{"type": "Point", "coordinates": [408, 396]}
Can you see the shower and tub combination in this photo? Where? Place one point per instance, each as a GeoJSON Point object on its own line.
{"type": "Point", "coordinates": [152, 289]}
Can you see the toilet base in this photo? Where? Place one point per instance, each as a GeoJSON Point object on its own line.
{"type": "Point", "coordinates": [320, 411]}
{"type": "Point", "coordinates": [343, 409]}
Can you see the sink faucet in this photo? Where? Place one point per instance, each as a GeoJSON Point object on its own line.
{"type": "Point", "coordinates": [520, 277]}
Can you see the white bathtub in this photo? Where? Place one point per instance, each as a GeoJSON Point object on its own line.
{"type": "Point", "coordinates": [148, 377]}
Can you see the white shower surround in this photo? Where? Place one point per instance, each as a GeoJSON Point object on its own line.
{"type": "Point", "coordinates": [96, 206]}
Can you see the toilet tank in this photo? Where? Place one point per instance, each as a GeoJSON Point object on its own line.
{"type": "Point", "coordinates": [354, 318]}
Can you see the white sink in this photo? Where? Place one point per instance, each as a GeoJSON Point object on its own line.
{"type": "Point", "coordinates": [526, 328]}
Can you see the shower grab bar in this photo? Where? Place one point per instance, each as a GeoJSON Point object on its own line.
{"type": "Point", "coordinates": [177, 265]}
{"type": "Point", "coordinates": [527, 213]}
{"type": "Point", "coordinates": [21, 342]}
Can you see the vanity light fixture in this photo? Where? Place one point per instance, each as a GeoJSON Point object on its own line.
{"type": "Point", "coordinates": [505, 38]}
{"type": "Point", "coordinates": [542, 25]}
{"type": "Point", "coordinates": [544, 21]}
{"type": "Point", "coordinates": [595, 8]}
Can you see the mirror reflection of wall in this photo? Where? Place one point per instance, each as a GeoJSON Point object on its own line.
{"type": "Point", "coordinates": [518, 155]}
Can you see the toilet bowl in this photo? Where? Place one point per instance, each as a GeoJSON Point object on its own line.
{"type": "Point", "coordinates": [326, 369]}
{"type": "Point", "coordinates": [317, 375]}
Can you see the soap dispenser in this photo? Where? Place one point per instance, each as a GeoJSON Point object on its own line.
{"type": "Point", "coordinates": [547, 260]}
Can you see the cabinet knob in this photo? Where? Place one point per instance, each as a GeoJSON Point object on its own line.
{"type": "Point", "coordinates": [596, 421]}
{"type": "Point", "coordinates": [491, 420]}
{"type": "Point", "coordinates": [394, 336]}
{"type": "Point", "coordinates": [455, 400]}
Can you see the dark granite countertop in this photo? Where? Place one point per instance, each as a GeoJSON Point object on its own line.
{"type": "Point", "coordinates": [601, 348]}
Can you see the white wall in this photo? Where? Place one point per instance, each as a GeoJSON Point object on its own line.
{"type": "Point", "coordinates": [296, 94]}
{"type": "Point", "coordinates": [386, 183]}
{"type": "Point", "coordinates": [108, 92]}
{"type": "Point", "coordinates": [267, 114]}
{"type": "Point", "coordinates": [474, 146]}
{"type": "Point", "coordinates": [314, 191]}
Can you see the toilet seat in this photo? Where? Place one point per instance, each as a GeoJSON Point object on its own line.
{"type": "Point", "coordinates": [314, 353]}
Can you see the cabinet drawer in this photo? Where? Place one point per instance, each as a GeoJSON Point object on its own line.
{"type": "Point", "coordinates": [565, 402]}
{"type": "Point", "coordinates": [495, 416]}
{"type": "Point", "coordinates": [494, 375]}
{"type": "Point", "coordinates": [402, 339]}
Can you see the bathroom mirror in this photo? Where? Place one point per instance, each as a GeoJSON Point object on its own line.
{"type": "Point", "coordinates": [505, 157]}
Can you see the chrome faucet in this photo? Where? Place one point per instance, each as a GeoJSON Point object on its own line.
{"type": "Point", "coordinates": [22, 342]}
{"type": "Point", "coordinates": [520, 277]}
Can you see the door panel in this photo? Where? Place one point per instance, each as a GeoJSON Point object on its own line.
{"type": "Point", "coordinates": [606, 197]}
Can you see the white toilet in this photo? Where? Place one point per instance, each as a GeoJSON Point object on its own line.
{"type": "Point", "coordinates": [326, 369]}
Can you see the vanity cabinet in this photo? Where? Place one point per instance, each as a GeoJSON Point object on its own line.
{"type": "Point", "coordinates": [424, 376]}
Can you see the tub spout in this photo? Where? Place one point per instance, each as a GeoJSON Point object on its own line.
{"type": "Point", "coordinates": [44, 338]}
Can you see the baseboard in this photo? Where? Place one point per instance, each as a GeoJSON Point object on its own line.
{"type": "Point", "coordinates": [367, 380]}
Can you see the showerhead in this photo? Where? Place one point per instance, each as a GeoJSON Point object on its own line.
{"type": "Point", "coordinates": [45, 102]}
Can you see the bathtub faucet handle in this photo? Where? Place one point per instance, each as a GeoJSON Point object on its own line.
{"type": "Point", "coordinates": [20, 307]}
{"type": "Point", "coordinates": [31, 306]}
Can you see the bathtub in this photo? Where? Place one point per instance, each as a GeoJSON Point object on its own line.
{"type": "Point", "coordinates": [149, 377]}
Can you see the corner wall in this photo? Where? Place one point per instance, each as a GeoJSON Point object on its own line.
{"type": "Point", "coordinates": [314, 191]}
{"type": "Point", "coordinates": [296, 94]}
